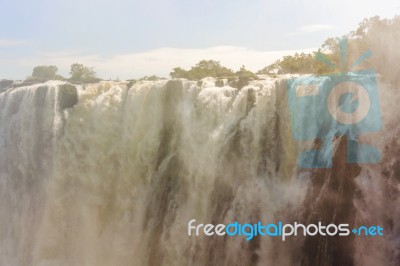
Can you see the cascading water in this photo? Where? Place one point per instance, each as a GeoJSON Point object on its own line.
{"type": "Point", "coordinates": [114, 179]}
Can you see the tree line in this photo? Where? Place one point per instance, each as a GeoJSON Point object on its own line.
{"type": "Point", "coordinates": [380, 35]}
{"type": "Point", "coordinates": [79, 74]}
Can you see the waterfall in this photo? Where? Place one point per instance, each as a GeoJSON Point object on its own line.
{"type": "Point", "coordinates": [114, 177]}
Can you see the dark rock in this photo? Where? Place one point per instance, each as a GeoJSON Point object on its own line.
{"type": "Point", "coordinates": [5, 84]}
{"type": "Point", "coordinates": [68, 96]}
{"type": "Point", "coordinates": [219, 83]}
{"type": "Point", "coordinates": [240, 82]}
{"type": "Point", "coordinates": [29, 82]}
{"type": "Point", "coordinates": [331, 201]}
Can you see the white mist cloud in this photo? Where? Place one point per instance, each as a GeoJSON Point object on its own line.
{"type": "Point", "coordinates": [159, 61]}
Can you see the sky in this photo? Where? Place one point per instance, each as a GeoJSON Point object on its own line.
{"type": "Point", "coordinates": [130, 39]}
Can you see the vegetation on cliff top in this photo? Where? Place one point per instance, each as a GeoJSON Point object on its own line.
{"type": "Point", "coordinates": [380, 35]}
{"type": "Point", "coordinates": [79, 74]}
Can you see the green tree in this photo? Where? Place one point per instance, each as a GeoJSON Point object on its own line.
{"type": "Point", "coordinates": [297, 64]}
{"type": "Point", "coordinates": [381, 36]}
{"type": "Point", "coordinates": [203, 69]}
{"type": "Point", "coordinates": [151, 78]}
{"type": "Point", "coordinates": [45, 73]}
{"type": "Point", "coordinates": [82, 74]}
{"type": "Point", "coordinates": [242, 78]}
{"type": "Point", "coordinates": [178, 73]}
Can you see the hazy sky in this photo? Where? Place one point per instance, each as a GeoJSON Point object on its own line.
{"type": "Point", "coordinates": [129, 38]}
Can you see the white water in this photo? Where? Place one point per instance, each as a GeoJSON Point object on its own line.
{"type": "Point", "coordinates": [115, 179]}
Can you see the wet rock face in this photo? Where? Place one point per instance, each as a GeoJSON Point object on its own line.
{"type": "Point", "coordinates": [240, 82]}
{"type": "Point", "coordinates": [68, 96]}
{"type": "Point", "coordinates": [331, 200]}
